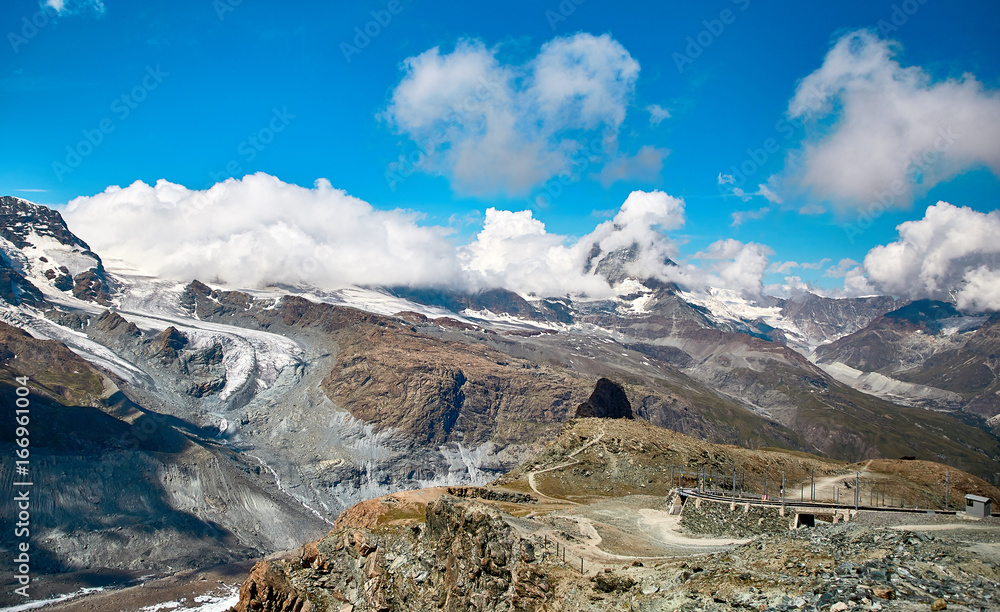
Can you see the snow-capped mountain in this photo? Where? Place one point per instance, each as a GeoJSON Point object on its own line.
{"type": "Point", "coordinates": [313, 399]}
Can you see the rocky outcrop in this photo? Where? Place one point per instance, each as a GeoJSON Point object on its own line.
{"type": "Point", "coordinates": [823, 319]}
{"type": "Point", "coordinates": [267, 589]}
{"type": "Point", "coordinates": [93, 285]}
{"type": "Point", "coordinates": [19, 218]}
{"type": "Point", "coordinates": [608, 401]}
{"type": "Point", "coordinates": [23, 224]}
{"type": "Point", "coordinates": [463, 556]}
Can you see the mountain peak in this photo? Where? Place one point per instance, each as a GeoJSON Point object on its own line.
{"type": "Point", "coordinates": [41, 253]}
{"type": "Point", "coordinates": [18, 217]}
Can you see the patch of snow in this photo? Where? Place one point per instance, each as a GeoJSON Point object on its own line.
{"type": "Point", "coordinates": [41, 603]}
{"type": "Point", "coordinates": [57, 253]}
{"type": "Point", "coordinates": [960, 324]}
{"type": "Point", "coordinates": [889, 388]}
{"type": "Point", "coordinates": [730, 306]}
{"type": "Point", "coordinates": [167, 605]}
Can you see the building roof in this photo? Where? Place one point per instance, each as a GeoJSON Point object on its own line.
{"type": "Point", "coordinates": [978, 498]}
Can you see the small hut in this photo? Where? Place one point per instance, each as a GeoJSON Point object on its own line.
{"type": "Point", "coordinates": [977, 506]}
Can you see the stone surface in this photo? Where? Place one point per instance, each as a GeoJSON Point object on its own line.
{"type": "Point", "coordinates": [608, 401]}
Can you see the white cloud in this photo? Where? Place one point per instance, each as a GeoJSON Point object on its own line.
{"type": "Point", "coordinates": [732, 264]}
{"type": "Point", "coordinates": [816, 265]}
{"type": "Point", "coordinates": [260, 231]}
{"type": "Point", "coordinates": [515, 251]}
{"type": "Point", "coordinates": [74, 7]}
{"type": "Point", "coordinates": [644, 166]}
{"type": "Point", "coordinates": [494, 128]}
{"type": "Point", "coordinates": [812, 209]}
{"type": "Point", "coordinates": [884, 131]}
{"type": "Point", "coordinates": [741, 216]}
{"type": "Point", "coordinates": [764, 190]}
{"type": "Point", "coordinates": [782, 267]}
{"type": "Point", "coordinates": [657, 114]}
{"type": "Point", "coordinates": [951, 253]}
{"type": "Point", "coordinates": [841, 269]}
{"type": "Point", "coordinates": [767, 193]}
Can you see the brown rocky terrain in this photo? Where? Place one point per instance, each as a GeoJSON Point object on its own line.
{"type": "Point", "coordinates": [495, 549]}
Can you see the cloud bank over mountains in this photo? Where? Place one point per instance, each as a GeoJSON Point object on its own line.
{"type": "Point", "coordinates": [260, 231]}
{"type": "Point", "coordinates": [952, 253]}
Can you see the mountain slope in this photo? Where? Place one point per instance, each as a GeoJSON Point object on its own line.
{"type": "Point", "coordinates": [929, 345]}
{"type": "Point", "coordinates": [126, 489]}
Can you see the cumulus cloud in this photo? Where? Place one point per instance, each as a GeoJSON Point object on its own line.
{"type": "Point", "coordinates": [952, 253]}
{"type": "Point", "coordinates": [495, 128]}
{"type": "Point", "coordinates": [514, 250]}
{"type": "Point", "coordinates": [732, 264]}
{"type": "Point", "coordinates": [261, 231]}
{"type": "Point", "coordinates": [884, 132]}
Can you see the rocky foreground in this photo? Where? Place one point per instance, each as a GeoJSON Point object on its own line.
{"type": "Point", "coordinates": [467, 555]}
{"type": "Point", "coordinates": [556, 534]}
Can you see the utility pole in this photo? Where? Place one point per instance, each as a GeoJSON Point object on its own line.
{"type": "Point", "coordinates": [766, 474]}
{"type": "Point", "coordinates": [782, 487]}
{"type": "Point", "coordinates": [947, 489]}
{"type": "Point", "coordinates": [857, 491]}
{"type": "Point", "coordinates": [734, 482]}
{"type": "Point", "coordinates": [812, 486]}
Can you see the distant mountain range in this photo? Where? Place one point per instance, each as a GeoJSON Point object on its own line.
{"type": "Point", "coordinates": [241, 420]}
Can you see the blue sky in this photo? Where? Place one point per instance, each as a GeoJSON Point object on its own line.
{"type": "Point", "coordinates": [101, 93]}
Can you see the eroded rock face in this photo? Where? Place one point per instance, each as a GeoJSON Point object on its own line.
{"type": "Point", "coordinates": [608, 401]}
{"type": "Point", "coordinates": [463, 557]}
